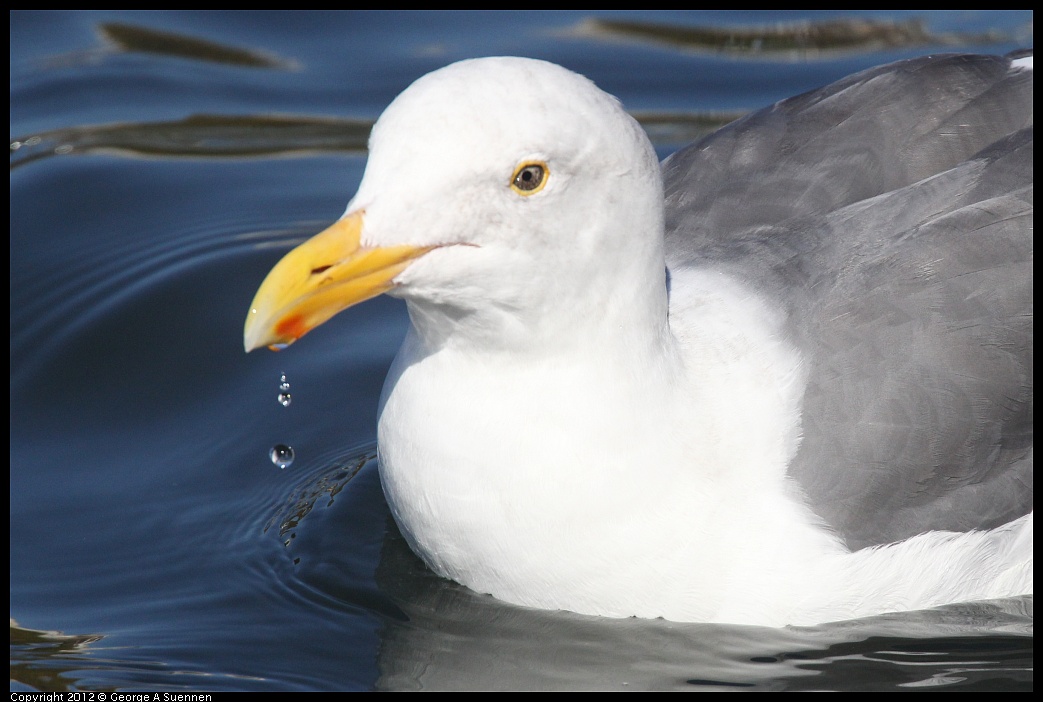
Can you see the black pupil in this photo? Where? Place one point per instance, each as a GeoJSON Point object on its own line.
{"type": "Point", "coordinates": [529, 178]}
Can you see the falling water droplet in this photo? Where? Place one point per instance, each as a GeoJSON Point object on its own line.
{"type": "Point", "coordinates": [281, 455]}
{"type": "Point", "coordinates": [284, 391]}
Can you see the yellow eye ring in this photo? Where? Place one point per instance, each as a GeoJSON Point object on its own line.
{"type": "Point", "coordinates": [530, 177]}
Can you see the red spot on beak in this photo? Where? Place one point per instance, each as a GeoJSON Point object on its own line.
{"type": "Point", "coordinates": [291, 328]}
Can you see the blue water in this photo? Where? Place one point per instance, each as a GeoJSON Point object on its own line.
{"type": "Point", "coordinates": [154, 545]}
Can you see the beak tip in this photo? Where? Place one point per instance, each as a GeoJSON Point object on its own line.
{"type": "Point", "coordinates": [254, 336]}
{"type": "Point", "coordinates": [275, 338]}
{"type": "Point", "coordinates": [294, 298]}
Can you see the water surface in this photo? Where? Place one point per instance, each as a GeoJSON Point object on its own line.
{"type": "Point", "coordinates": [161, 163]}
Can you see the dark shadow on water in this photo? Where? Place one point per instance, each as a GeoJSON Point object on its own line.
{"type": "Point", "coordinates": [786, 41]}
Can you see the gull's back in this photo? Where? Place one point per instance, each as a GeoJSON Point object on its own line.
{"type": "Point", "coordinates": [888, 217]}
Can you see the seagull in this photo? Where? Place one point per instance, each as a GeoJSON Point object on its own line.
{"type": "Point", "coordinates": [782, 378]}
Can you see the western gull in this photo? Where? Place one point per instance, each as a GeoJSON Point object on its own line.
{"type": "Point", "coordinates": [784, 377]}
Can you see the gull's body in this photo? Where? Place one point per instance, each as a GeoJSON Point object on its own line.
{"type": "Point", "coordinates": [821, 343]}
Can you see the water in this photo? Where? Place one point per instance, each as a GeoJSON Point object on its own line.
{"type": "Point", "coordinates": [165, 161]}
{"type": "Point", "coordinates": [284, 397]}
{"type": "Point", "coordinates": [281, 455]}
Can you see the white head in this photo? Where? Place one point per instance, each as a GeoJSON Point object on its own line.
{"type": "Point", "coordinates": [524, 206]}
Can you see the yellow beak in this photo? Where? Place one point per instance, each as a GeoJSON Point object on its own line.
{"type": "Point", "coordinates": [323, 276]}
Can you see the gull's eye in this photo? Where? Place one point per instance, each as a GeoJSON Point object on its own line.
{"type": "Point", "coordinates": [529, 178]}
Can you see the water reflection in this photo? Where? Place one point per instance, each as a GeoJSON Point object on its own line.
{"type": "Point", "coordinates": [787, 41]}
{"type": "Point", "coordinates": [455, 639]}
{"type": "Point", "coordinates": [171, 569]}
{"type": "Point", "coordinates": [124, 36]}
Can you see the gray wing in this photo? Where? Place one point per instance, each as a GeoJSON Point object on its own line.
{"type": "Point", "coordinates": [890, 214]}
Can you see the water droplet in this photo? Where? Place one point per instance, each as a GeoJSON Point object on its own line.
{"type": "Point", "coordinates": [284, 391]}
{"type": "Point", "coordinates": [281, 455]}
